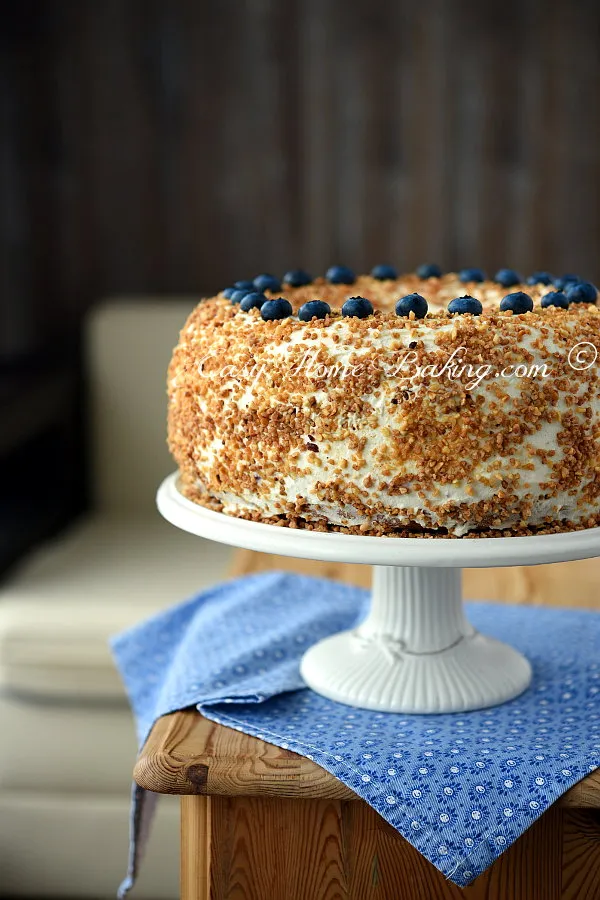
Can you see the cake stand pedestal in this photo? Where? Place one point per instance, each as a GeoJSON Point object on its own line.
{"type": "Point", "coordinates": [415, 652]}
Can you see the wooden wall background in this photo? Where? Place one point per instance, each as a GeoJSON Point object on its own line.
{"type": "Point", "coordinates": [173, 145]}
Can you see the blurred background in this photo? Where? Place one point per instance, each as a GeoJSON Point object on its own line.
{"type": "Point", "coordinates": [156, 151]}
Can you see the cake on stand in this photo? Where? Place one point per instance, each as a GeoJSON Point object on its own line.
{"type": "Point", "coordinates": [416, 651]}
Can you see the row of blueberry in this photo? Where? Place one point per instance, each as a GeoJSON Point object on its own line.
{"type": "Point", "coordinates": [359, 307]}
{"type": "Point", "coordinates": [344, 275]}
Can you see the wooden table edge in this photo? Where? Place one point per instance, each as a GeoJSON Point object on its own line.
{"type": "Point", "coordinates": [248, 766]}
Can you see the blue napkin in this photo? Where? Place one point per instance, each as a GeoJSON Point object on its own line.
{"type": "Point", "coordinates": [460, 787]}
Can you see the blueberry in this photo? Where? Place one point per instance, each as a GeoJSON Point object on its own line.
{"type": "Point", "coordinates": [238, 296]}
{"type": "Point", "coordinates": [518, 303]}
{"type": "Point", "coordinates": [383, 272]}
{"type": "Point", "coordinates": [253, 301]}
{"type": "Point", "coordinates": [297, 278]}
{"type": "Point", "coordinates": [465, 304]}
{"type": "Point", "coordinates": [228, 292]}
{"type": "Point", "coordinates": [429, 271]}
{"type": "Point", "coordinates": [471, 275]}
{"type": "Point", "coordinates": [412, 303]}
{"type": "Point", "coordinates": [244, 286]}
{"type": "Point", "coordinates": [359, 307]}
{"type": "Point", "coordinates": [313, 309]}
{"type": "Point", "coordinates": [555, 298]}
{"type": "Point", "coordinates": [340, 275]}
{"type": "Point", "coordinates": [581, 292]}
{"type": "Point", "coordinates": [267, 282]}
{"type": "Point", "coordinates": [540, 278]}
{"type": "Point", "coordinates": [507, 277]}
{"type": "Point", "coordinates": [561, 283]}
{"type": "Point", "coordinates": [276, 309]}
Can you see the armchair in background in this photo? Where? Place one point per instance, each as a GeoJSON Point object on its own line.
{"type": "Point", "coordinates": [67, 744]}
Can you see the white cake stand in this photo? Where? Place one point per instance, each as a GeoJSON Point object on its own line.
{"type": "Point", "coordinates": [415, 652]}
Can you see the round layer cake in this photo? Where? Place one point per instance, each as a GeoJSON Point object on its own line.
{"type": "Point", "coordinates": [423, 404]}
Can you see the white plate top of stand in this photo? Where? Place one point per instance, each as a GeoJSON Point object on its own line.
{"type": "Point", "coordinates": [371, 550]}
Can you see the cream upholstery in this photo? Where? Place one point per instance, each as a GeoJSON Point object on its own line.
{"type": "Point", "coordinates": [75, 845]}
{"type": "Point", "coordinates": [103, 575]}
{"type": "Point", "coordinates": [128, 348]}
{"type": "Point", "coordinates": [63, 713]}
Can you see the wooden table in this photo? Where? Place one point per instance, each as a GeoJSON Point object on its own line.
{"type": "Point", "coordinates": [261, 823]}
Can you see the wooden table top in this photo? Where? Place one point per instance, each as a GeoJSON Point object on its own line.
{"type": "Point", "coordinates": [187, 754]}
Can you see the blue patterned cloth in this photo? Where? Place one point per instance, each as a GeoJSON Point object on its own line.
{"type": "Point", "coordinates": [460, 787]}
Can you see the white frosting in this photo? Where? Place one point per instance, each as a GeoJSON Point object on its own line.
{"type": "Point", "coordinates": [470, 489]}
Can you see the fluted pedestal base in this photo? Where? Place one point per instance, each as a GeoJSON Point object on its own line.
{"type": "Point", "coordinates": [415, 652]}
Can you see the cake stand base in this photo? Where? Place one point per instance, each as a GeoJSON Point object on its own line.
{"type": "Point", "coordinates": [415, 652]}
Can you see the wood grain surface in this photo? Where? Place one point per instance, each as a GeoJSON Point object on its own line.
{"type": "Point", "coordinates": [186, 754]}
{"type": "Point", "coordinates": [196, 845]}
{"type": "Point", "coordinates": [581, 856]}
{"type": "Point", "coordinates": [137, 158]}
{"type": "Point", "coordinates": [280, 849]}
{"type": "Point", "coordinates": [574, 584]}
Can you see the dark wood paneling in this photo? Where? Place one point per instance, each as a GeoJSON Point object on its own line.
{"type": "Point", "coordinates": [168, 147]}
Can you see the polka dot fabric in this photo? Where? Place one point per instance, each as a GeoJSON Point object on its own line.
{"type": "Point", "coordinates": [461, 788]}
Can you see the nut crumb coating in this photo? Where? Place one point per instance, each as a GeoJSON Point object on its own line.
{"type": "Point", "coordinates": [387, 424]}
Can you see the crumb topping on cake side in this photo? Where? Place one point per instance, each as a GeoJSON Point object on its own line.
{"type": "Point", "coordinates": [396, 415]}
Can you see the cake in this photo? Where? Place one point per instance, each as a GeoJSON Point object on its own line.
{"type": "Point", "coordinates": [426, 404]}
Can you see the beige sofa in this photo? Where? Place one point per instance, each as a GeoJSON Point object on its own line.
{"type": "Point", "coordinates": [67, 742]}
